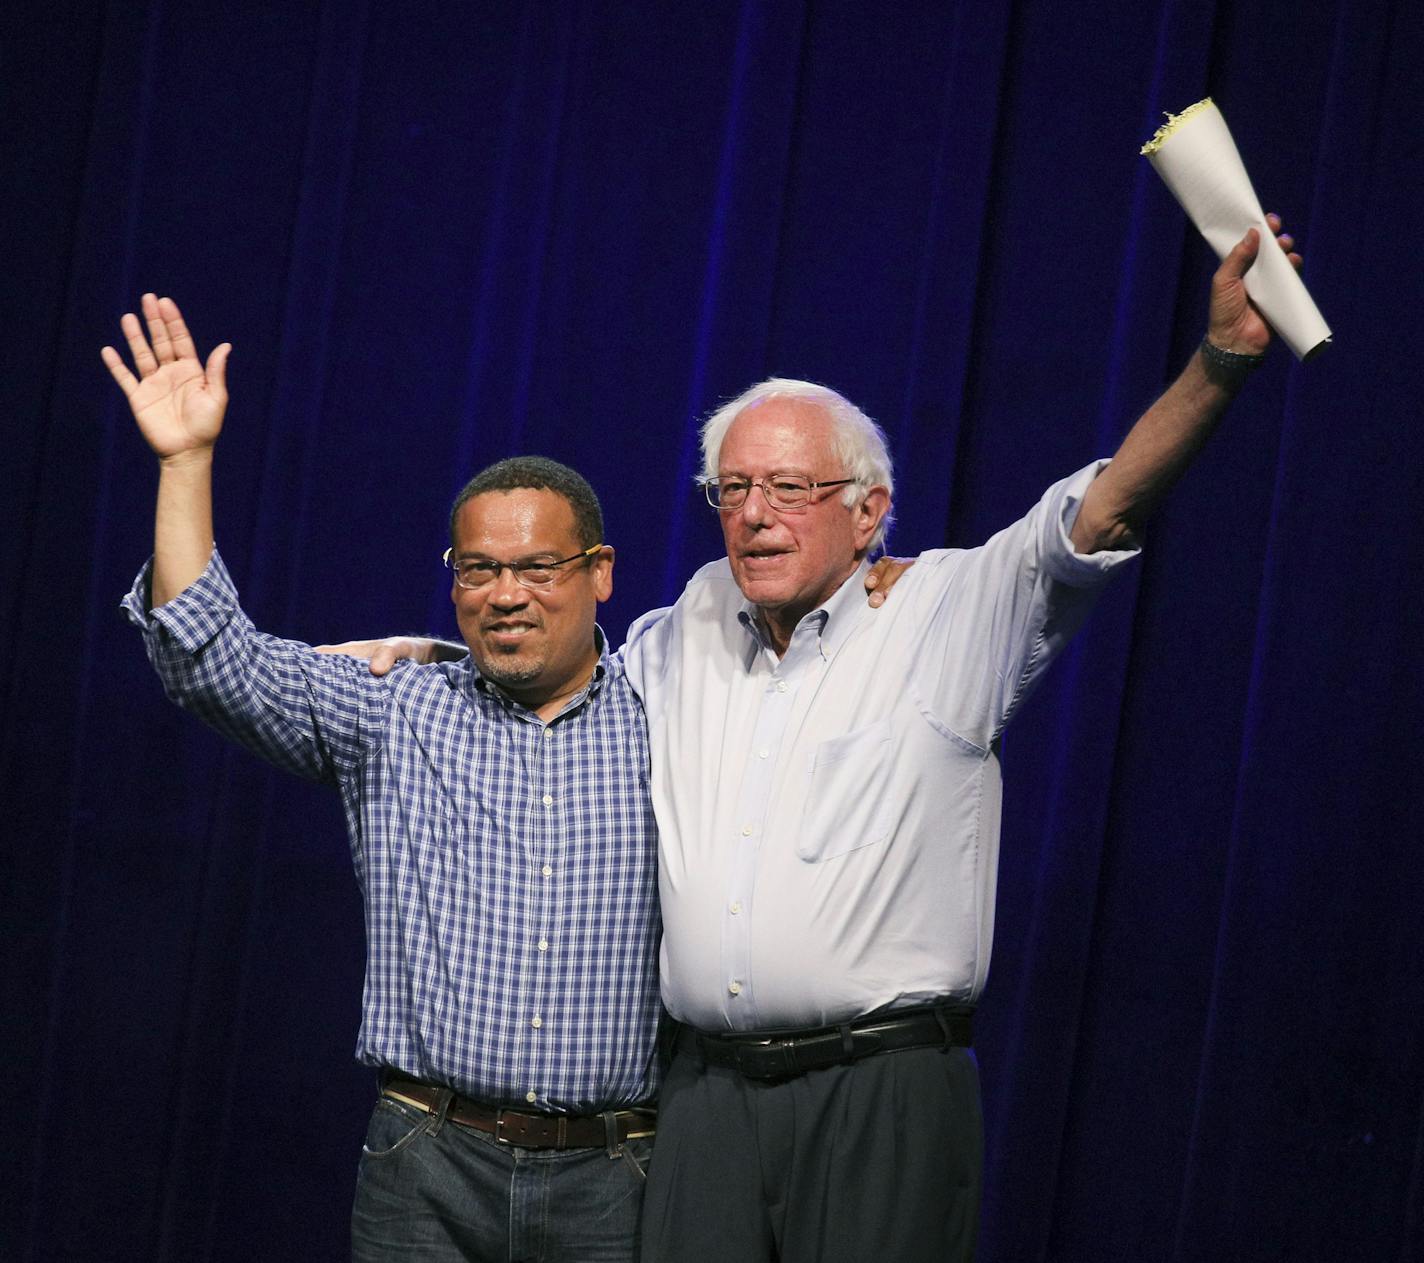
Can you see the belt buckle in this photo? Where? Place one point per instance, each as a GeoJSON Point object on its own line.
{"type": "Point", "coordinates": [499, 1137]}
{"type": "Point", "coordinates": [760, 1048]}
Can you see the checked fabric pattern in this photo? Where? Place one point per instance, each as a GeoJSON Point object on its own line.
{"type": "Point", "coordinates": [508, 867]}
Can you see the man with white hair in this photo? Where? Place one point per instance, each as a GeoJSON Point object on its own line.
{"type": "Point", "coordinates": [825, 778]}
{"type": "Point", "coordinates": [826, 787]}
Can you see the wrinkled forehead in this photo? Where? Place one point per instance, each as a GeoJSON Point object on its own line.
{"type": "Point", "coordinates": [787, 436]}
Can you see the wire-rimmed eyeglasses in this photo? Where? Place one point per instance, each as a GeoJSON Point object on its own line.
{"type": "Point", "coordinates": [480, 572]}
{"type": "Point", "coordinates": [782, 491]}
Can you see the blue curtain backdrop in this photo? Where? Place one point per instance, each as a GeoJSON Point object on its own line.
{"type": "Point", "coordinates": [439, 234]}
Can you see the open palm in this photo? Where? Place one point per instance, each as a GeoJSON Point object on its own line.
{"type": "Point", "coordinates": [177, 402]}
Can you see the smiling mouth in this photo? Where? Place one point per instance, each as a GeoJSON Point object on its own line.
{"type": "Point", "coordinates": [509, 631]}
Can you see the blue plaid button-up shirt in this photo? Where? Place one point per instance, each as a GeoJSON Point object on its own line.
{"type": "Point", "coordinates": [508, 866]}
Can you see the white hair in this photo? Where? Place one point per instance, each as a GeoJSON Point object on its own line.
{"type": "Point", "coordinates": [859, 443]}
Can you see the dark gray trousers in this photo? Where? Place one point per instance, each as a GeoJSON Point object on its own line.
{"type": "Point", "coordinates": [877, 1161]}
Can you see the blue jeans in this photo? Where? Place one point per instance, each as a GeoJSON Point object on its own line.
{"type": "Point", "coordinates": [428, 1190]}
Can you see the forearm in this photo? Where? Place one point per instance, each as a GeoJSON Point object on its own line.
{"type": "Point", "coordinates": [183, 523]}
{"type": "Point", "coordinates": [1164, 441]}
{"type": "Point", "coordinates": [1153, 456]}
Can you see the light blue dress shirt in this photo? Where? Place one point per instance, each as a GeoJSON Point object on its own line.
{"type": "Point", "coordinates": [829, 821]}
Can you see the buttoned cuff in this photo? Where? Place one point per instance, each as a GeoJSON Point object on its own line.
{"type": "Point", "coordinates": [1079, 570]}
{"type": "Point", "coordinates": [193, 617]}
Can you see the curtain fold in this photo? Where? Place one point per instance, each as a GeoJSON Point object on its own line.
{"type": "Point", "coordinates": [440, 235]}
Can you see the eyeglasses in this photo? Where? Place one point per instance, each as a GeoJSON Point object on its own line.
{"type": "Point", "coordinates": [782, 491]}
{"type": "Point", "coordinates": [480, 572]}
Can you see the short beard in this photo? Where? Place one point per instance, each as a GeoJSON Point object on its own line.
{"type": "Point", "coordinates": [510, 675]}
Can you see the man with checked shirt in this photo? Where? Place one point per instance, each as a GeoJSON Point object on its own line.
{"type": "Point", "coordinates": [501, 831]}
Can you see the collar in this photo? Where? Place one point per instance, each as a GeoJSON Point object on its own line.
{"type": "Point", "coordinates": [833, 620]}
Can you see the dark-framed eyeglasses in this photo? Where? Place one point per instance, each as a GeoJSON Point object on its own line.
{"type": "Point", "coordinates": [787, 492]}
{"type": "Point", "coordinates": [480, 572]}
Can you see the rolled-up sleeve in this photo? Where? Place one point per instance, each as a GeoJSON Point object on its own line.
{"type": "Point", "coordinates": [996, 616]}
{"type": "Point", "coordinates": [308, 713]}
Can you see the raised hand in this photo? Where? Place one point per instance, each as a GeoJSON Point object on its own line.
{"type": "Point", "coordinates": [1235, 323]}
{"type": "Point", "coordinates": [177, 402]}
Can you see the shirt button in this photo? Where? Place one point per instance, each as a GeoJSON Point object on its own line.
{"type": "Point", "coordinates": [543, 945]}
{"type": "Point", "coordinates": [536, 1022]}
{"type": "Point", "coordinates": [781, 686]}
{"type": "Point", "coordinates": [746, 831]}
{"type": "Point", "coordinates": [548, 800]}
{"type": "Point", "coordinates": [735, 907]}
{"type": "Point", "coordinates": [531, 1097]}
{"type": "Point", "coordinates": [547, 870]}
{"type": "Point", "coordinates": [548, 731]}
{"type": "Point", "coordinates": [734, 987]}
{"type": "Point", "coordinates": [762, 754]}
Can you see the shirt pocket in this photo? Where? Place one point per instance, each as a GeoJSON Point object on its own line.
{"type": "Point", "coordinates": [845, 808]}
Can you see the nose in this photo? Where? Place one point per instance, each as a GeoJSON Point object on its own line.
{"type": "Point", "coordinates": [506, 591]}
{"type": "Point", "coordinates": [755, 510]}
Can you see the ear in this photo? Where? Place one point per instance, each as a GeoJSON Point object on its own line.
{"type": "Point", "coordinates": [454, 587]}
{"type": "Point", "coordinates": [601, 568]}
{"type": "Point", "coordinates": [867, 516]}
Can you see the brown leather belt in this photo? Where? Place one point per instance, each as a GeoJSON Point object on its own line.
{"type": "Point", "coordinates": [525, 1130]}
{"type": "Point", "coordinates": [785, 1054]}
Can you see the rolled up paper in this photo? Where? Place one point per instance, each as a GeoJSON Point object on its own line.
{"type": "Point", "coordinates": [1194, 154]}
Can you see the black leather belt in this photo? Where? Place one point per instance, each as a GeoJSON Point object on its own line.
{"type": "Point", "coordinates": [785, 1054]}
{"type": "Point", "coordinates": [523, 1129]}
